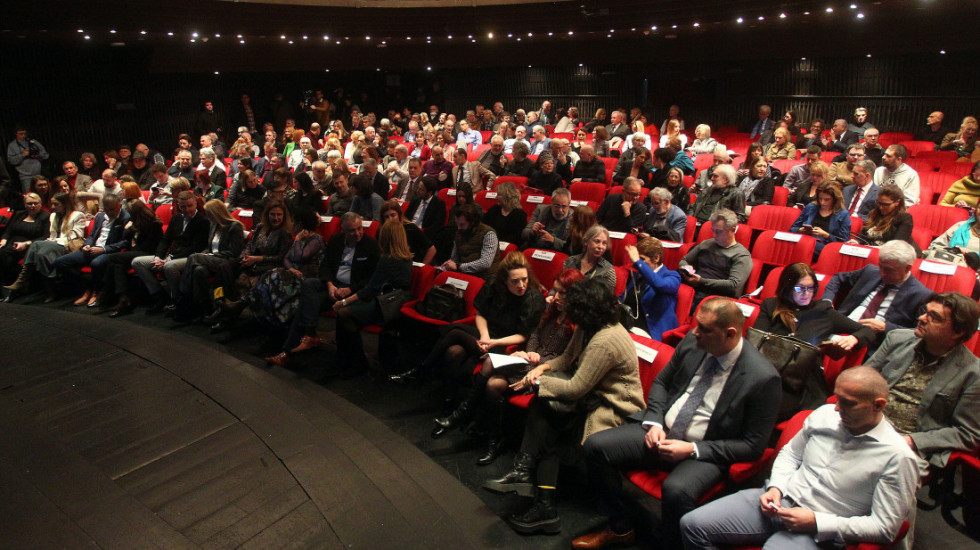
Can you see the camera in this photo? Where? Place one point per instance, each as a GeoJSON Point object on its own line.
{"type": "Point", "coordinates": [34, 151]}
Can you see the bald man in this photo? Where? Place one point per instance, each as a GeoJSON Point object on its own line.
{"type": "Point", "coordinates": [846, 477]}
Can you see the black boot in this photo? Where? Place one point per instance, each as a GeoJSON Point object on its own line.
{"type": "Point", "coordinates": [464, 412]}
{"type": "Point", "coordinates": [160, 301]}
{"type": "Point", "coordinates": [496, 442]}
{"type": "Point", "coordinates": [541, 516]}
{"type": "Point", "coordinates": [518, 480]}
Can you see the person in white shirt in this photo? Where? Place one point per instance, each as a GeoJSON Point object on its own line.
{"type": "Point", "coordinates": [893, 170]}
{"type": "Point", "coordinates": [520, 134]}
{"type": "Point", "coordinates": [846, 477]}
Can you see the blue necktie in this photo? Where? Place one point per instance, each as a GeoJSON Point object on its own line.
{"type": "Point", "coordinates": [683, 421]}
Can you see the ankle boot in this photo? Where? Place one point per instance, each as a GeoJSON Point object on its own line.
{"type": "Point", "coordinates": [518, 480]}
{"type": "Point", "coordinates": [23, 279]}
{"type": "Point", "coordinates": [465, 411]}
{"type": "Point", "coordinates": [541, 516]}
{"type": "Point", "coordinates": [495, 444]}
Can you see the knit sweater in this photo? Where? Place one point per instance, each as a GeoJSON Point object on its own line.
{"type": "Point", "coordinates": [963, 190]}
{"type": "Point", "coordinates": [606, 379]}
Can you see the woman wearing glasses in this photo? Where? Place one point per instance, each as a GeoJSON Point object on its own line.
{"type": "Point", "coordinates": [888, 220]}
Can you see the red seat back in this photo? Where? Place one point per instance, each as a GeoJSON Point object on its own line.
{"type": "Point", "coordinates": [915, 147]}
{"type": "Point", "coordinates": [674, 252]}
{"type": "Point", "coordinates": [936, 218]}
{"type": "Point", "coordinates": [782, 248]}
{"type": "Point", "coordinates": [961, 280]}
{"type": "Point", "coordinates": [777, 218]}
{"type": "Point", "coordinates": [530, 202]}
{"type": "Point", "coordinates": [423, 276]}
{"type": "Point", "coordinates": [653, 357]}
{"type": "Point", "coordinates": [743, 235]}
{"type": "Point", "coordinates": [486, 199]}
{"type": "Point", "coordinates": [840, 257]}
{"type": "Point", "coordinates": [546, 264]}
{"type": "Point", "coordinates": [617, 247]}
{"type": "Point", "coordinates": [243, 215]}
{"type": "Point", "coordinates": [588, 191]}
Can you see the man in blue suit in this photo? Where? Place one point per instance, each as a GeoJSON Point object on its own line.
{"type": "Point", "coordinates": [882, 298]}
{"type": "Point", "coordinates": [107, 237]}
{"type": "Point", "coordinates": [862, 195]}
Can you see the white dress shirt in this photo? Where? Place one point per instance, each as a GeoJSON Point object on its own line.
{"type": "Point", "coordinates": [699, 424]}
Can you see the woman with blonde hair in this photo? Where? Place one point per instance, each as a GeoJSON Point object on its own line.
{"type": "Point", "coordinates": [354, 147]}
{"type": "Point", "coordinates": [703, 142]}
{"type": "Point", "coordinates": [964, 141]}
{"type": "Point", "coordinates": [673, 130]}
{"type": "Point", "coordinates": [782, 147]}
{"type": "Point", "coordinates": [507, 217]}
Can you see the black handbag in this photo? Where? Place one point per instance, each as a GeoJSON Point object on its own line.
{"type": "Point", "coordinates": [391, 302]}
{"type": "Point", "coordinates": [444, 303]}
{"type": "Point", "coordinates": [798, 364]}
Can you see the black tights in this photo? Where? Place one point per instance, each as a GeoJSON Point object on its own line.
{"type": "Point", "coordinates": [455, 350]}
{"type": "Point", "coordinates": [546, 434]}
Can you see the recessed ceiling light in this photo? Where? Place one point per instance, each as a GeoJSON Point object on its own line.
{"type": "Point", "coordinates": [782, 16]}
{"type": "Point", "coordinates": [239, 36]}
{"type": "Point", "coordinates": [518, 38]}
{"type": "Point", "coordinates": [489, 35]}
{"type": "Point", "coordinates": [194, 34]}
{"type": "Point", "coordinates": [80, 30]}
{"type": "Point", "coordinates": [551, 34]}
{"type": "Point", "coordinates": [762, 18]}
{"type": "Point", "coordinates": [216, 72]}
{"type": "Point", "coordinates": [569, 33]}
{"type": "Point", "coordinates": [282, 37]}
{"type": "Point", "coordinates": [673, 26]}
{"type": "Point", "coordinates": [854, 6]}
{"type": "Point", "coordinates": [580, 64]}
{"type": "Point", "coordinates": [942, 52]}
{"type": "Point", "coordinates": [367, 38]}
{"type": "Point", "coordinates": [510, 35]}
{"type": "Point", "coordinates": [112, 31]}
{"type": "Point", "coordinates": [803, 59]}
{"type": "Point", "coordinates": [304, 37]}
{"type": "Point", "coordinates": [860, 16]}
{"type": "Point", "coordinates": [193, 40]}
{"type": "Point", "coordinates": [830, 9]}
{"type": "Point", "coordinates": [142, 32]}
{"type": "Point", "coordinates": [87, 37]}
{"type": "Point", "coordinates": [241, 41]}
{"type": "Point", "coordinates": [653, 28]}
{"type": "Point", "coordinates": [171, 33]}
{"type": "Point", "coordinates": [449, 37]}
{"type": "Point", "coordinates": [290, 41]}
{"type": "Point", "coordinates": [696, 24]}
{"type": "Point", "coordinates": [428, 68]}
{"type": "Point", "coordinates": [408, 38]}
{"type": "Point", "coordinates": [739, 20]}
{"type": "Point", "coordinates": [528, 66]}
{"type": "Point", "coordinates": [869, 55]}
{"type": "Point", "coordinates": [530, 34]}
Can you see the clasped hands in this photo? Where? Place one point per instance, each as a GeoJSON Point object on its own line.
{"type": "Point", "coordinates": [796, 520]}
{"type": "Point", "coordinates": [671, 450]}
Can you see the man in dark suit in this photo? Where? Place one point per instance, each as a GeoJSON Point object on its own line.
{"type": "Point", "coordinates": [840, 137]}
{"type": "Point", "coordinates": [937, 405]}
{"type": "Point", "coordinates": [624, 211]}
{"type": "Point", "coordinates": [714, 404]}
{"type": "Point", "coordinates": [427, 210]}
{"type": "Point", "coordinates": [861, 196]}
{"type": "Point", "coordinates": [186, 234]}
{"type": "Point", "coordinates": [349, 260]}
{"type": "Point", "coordinates": [805, 141]}
{"type": "Point", "coordinates": [884, 298]}
{"type": "Point", "coordinates": [764, 124]}
{"type": "Point", "coordinates": [106, 237]}
{"type": "Point", "coordinates": [618, 129]}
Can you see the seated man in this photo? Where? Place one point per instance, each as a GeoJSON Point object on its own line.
{"type": "Point", "coordinates": [893, 170]}
{"type": "Point", "coordinates": [873, 150]}
{"type": "Point", "coordinates": [379, 181]}
{"type": "Point", "coordinates": [548, 226]}
{"type": "Point", "coordinates": [520, 136]}
{"type": "Point", "coordinates": [859, 123]}
{"type": "Point", "coordinates": [427, 210]}
{"type": "Point", "coordinates": [186, 234]}
{"type": "Point", "coordinates": [801, 173]}
{"type": "Point", "coordinates": [811, 138]}
{"type": "Point", "coordinates": [846, 477]}
{"type": "Point", "coordinates": [439, 168]}
{"type": "Point", "coordinates": [862, 195]}
{"type": "Point", "coordinates": [843, 166]}
{"type": "Point", "coordinates": [934, 379]}
{"type": "Point", "coordinates": [764, 124]}
{"type": "Point", "coordinates": [618, 129]}
{"type": "Point", "coordinates": [718, 266]}
{"type": "Point", "coordinates": [183, 167]}
{"type": "Point", "coordinates": [589, 168]}
{"type": "Point", "coordinates": [882, 298]}
{"type": "Point", "coordinates": [667, 221]}
{"type": "Point", "coordinates": [719, 158]}
{"type": "Point", "coordinates": [471, 173]}
{"type": "Point", "coordinates": [723, 193]}
{"type": "Point", "coordinates": [624, 212]}
{"type": "Point", "coordinates": [107, 237]}
{"type": "Point", "coordinates": [520, 165]}
{"type": "Point", "coordinates": [696, 424]}
{"type": "Point", "coordinates": [209, 162]}
{"type": "Point", "coordinates": [494, 159]}
{"type": "Point", "coordinates": [350, 258]}
{"type": "Point", "coordinates": [840, 137]}
{"type": "Point", "coordinates": [933, 130]}
{"type": "Point", "coordinates": [468, 136]}
{"type": "Point", "coordinates": [541, 141]}
{"type": "Point", "coordinates": [475, 246]}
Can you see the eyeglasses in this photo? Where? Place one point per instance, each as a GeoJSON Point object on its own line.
{"type": "Point", "coordinates": [885, 204]}
{"type": "Point", "coordinates": [799, 289]}
{"type": "Point", "coordinates": [931, 316]}
{"type": "Point", "coordinates": [32, 203]}
{"type": "Point", "coordinates": [857, 155]}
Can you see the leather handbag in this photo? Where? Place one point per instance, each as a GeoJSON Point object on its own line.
{"type": "Point", "coordinates": [391, 302]}
{"type": "Point", "coordinates": [797, 362]}
{"type": "Point", "coordinates": [444, 303]}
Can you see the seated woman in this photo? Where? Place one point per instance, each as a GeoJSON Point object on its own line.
{"type": "Point", "coordinates": [246, 193]}
{"type": "Point", "coordinates": [307, 196]}
{"type": "Point", "coordinates": [806, 193]}
{"type": "Point", "coordinates": [680, 160]}
{"type": "Point", "coordinates": [965, 192]}
{"type": "Point", "coordinates": [66, 233]}
{"type": "Point", "coordinates": [131, 193]}
{"type": "Point", "coordinates": [508, 307]}
{"type": "Point", "coordinates": [366, 202]}
{"type": "Point", "coordinates": [638, 136]}
{"type": "Point", "coordinates": [793, 311]}
{"type": "Point", "coordinates": [962, 239]}
{"type": "Point", "coordinates": [782, 147]}
{"type": "Point", "coordinates": [752, 153]}
{"type": "Point", "coordinates": [204, 189]}
{"type": "Point", "coordinates": [568, 123]}
{"type": "Point", "coordinates": [581, 135]}
{"type": "Point", "coordinates": [600, 141]}
{"type": "Point", "coordinates": [546, 179]}
{"type": "Point", "coordinates": [144, 231]}
{"type": "Point", "coordinates": [422, 249]}
{"type": "Point", "coordinates": [755, 186]}
{"type": "Point", "coordinates": [270, 240]}
{"type": "Point", "coordinates": [225, 242]}
{"type": "Point", "coordinates": [591, 262]}
{"type": "Point", "coordinates": [579, 222]}
{"type": "Point", "coordinates": [673, 130]}
{"type": "Point", "coordinates": [491, 386]}
{"type": "Point", "coordinates": [24, 227]}
{"type": "Point", "coordinates": [651, 291]}
{"type": "Point", "coordinates": [888, 221]}
{"type": "Point", "coordinates": [962, 142]}
{"type": "Point", "coordinates": [703, 142]}
{"type": "Point", "coordinates": [352, 153]}
{"type": "Point", "coordinates": [41, 186]}
{"type": "Point", "coordinates": [635, 169]}
{"type": "Point", "coordinates": [520, 165]}
{"type": "Point", "coordinates": [475, 245]}
{"type": "Point", "coordinates": [722, 194]}
{"type": "Point", "coordinates": [826, 220]}
{"type": "Point", "coordinates": [507, 217]}
{"type": "Point", "coordinates": [593, 386]}
{"type": "Point", "coordinates": [394, 271]}
{"type": "Point", "coordinates": [680, 195]}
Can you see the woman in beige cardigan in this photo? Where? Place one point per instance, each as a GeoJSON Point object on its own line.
{"type": "Point", "coordinates": [594, 385]}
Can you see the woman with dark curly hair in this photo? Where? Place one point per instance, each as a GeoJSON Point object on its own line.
{"type": "Point", "coordinates": [593, 386]}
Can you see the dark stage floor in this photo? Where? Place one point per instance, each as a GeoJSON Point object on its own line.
{"type": "Point", "coordinates": [141, 433]}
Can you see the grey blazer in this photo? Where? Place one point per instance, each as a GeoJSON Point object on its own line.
{"type": "Point", "coordinates": [949, 414]}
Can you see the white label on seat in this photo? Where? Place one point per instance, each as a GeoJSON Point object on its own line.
{"type": "Point", "coordinates": [503, 245]}
{"type": "Point", "coordinates": [535, 199]}
{"type": "Point", "coordinates": [458, 283]}
{"type": "Point", "coordinates": [746, 309]}
{"type": "Point", "coordinates": [418, 264]}
{"type": "Point", "coordinates": [244, 213]}
{"type": "Point", "coordinates": [669, 244]}
{"type": "Point", "coordinates": [755, 292]}
{"type": "Point", "coordinates": [326, 219]}
{"type": "Point", "coordinates": [366, 223]}
{"type": "Point", "coordinates": [617, 235]}
{"type": "Point", "coordinates": [646, 353]}
{"type": "Point", "coordinates": [578, 203]}
{"type": "Point", "coordinates": [856, 251]}
{"type": "Point", "coordinates": [491, 195]}
{"type": "Point", "coordinates": [788, 237]}
{"type": "Point", "coordinates": [543, 255]}
{"type": "Point", "coordinates": [820, 277]}
{"type": "Point", "coordinates": [937, 268]}
{"type": "Point", "coordinates": [325, 198]}
{"type": "Point", "coordinates": [451, 192]}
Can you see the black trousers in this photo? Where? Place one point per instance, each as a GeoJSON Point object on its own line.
{"type": "Point", "coordinates": [623, 448]}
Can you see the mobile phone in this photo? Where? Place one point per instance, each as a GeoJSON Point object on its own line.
{"type": "Point", "coordinates": [689, 269]}
{"type": "Point", "coordinates": [772, 505]}
{"type": "Point", "coordinates": [807, 227]}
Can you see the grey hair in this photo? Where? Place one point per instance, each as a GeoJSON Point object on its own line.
{"type": "Point", "coordinates": [632, 181]}
{"type": "Point", "coordinates": [896, 251]}
{"type": "Point", "coordinates": [661, 194]}
{"type": "Point", "coordinates": [370, 162]}
{"type": "Point", "coordinates": [868, 165]}
{"type": "Point", "coordinates": [208, 153]}
{"type": "Point", "coordinates": [351, 217]}
{"type": "Point", "coordinates": [561, 192]}
{"type": "Point", "coordinates": [727, 172]}
{"type": "Point", "coordinates": [401, 147]}
{"type": "Point", "coordinates": [725, 215]}
{"type": "Point", "coordinates": [593, 231]}
{"type": "Point", "coordinates": [320, 165]}
{"type": "Point", "coordinates": [333, 154]}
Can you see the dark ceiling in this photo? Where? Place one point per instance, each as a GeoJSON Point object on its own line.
{"type": "Point", "coordinates": [184, 35]}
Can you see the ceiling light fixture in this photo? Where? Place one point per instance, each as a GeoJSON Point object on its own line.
{"type": "Point", "coordinates": [112, 31]}
{"type": "Point", "coordinates": [943, 52]}
{"type": "Point", "coordinates": [739, 20]}
{"type": "Point", "coordinates": [830, 9]}
{"type": "Point", "coordinates": [696, 24]}
{"type": "Point", "coordinates": [860, 16]}
{"type": "Point", "coordinates": [782, 16]}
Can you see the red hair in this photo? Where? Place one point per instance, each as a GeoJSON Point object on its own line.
{"type": "Point", "coordinates": [566, 279]}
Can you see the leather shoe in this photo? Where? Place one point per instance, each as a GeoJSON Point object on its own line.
{"type": "Point", "coordinates": [84, 299]}
{"type": "Point", "coordinates": [494, 447]}
{"type": "Point", "coordinates": [604, 538]}
{"type": "Point", "coordinates": [438, 431]}
{"type": "Point", "coordinates": [281, 360]}
{"type": "Point", "coordinates": [308, 342]}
